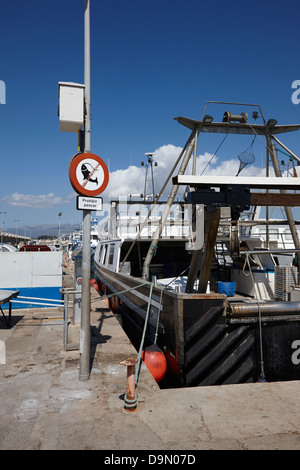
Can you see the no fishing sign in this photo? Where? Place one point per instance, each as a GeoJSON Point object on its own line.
{"type": "Point", "coordinates": [88, 174]}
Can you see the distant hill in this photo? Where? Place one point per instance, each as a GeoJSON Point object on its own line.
{"type": "Point", "coordinates": [35, 231]}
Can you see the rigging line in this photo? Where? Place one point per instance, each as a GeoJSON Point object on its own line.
{"type": "Point", "coordinates": [214, 155]}
{"type": "Point", "coordinates": [256, 134]}
{"type": "Point", "coordinates": [143, 336]}
{"type": "Point", "coordinates": [251, 143]}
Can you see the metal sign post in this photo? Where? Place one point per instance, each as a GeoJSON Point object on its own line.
{"type": "Point", "coordinates": [90, 171]}
{"type": "Point", "coordinates": [85, 332]}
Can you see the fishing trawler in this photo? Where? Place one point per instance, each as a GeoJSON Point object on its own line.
{"type": "Point", "coordinates": [214, 297]}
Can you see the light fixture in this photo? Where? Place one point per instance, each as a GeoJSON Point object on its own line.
{"type": "Point", "coordinates": [208, 119]}
{"type": "Point", "coordinates": [271, 122]}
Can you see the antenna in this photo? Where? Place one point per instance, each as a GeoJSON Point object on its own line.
{"type": "Point", "coordinates": [149, 165]}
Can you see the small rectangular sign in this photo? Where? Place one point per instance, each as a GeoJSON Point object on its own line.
{"type": "Point", "coordinates": [89, 203]}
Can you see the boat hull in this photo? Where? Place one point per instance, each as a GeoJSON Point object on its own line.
{"type": "Point", "coordinates": [203, 344]}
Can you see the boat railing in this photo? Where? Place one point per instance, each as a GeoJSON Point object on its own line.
{"type": "Point", "coordinates": [131, 221]}
{"type": "Point", "coordinates": [131, 227]}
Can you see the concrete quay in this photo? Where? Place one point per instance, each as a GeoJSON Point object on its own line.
{"type": "Point", "coordinates": [44, 405]}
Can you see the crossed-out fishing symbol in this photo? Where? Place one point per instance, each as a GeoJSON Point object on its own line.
{"type": "Point", "coordinates": [87, 174]}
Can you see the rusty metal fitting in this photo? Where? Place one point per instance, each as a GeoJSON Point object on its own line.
{"type": "Point", "coordinates": [130, 398]}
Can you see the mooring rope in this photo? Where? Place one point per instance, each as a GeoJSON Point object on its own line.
{"type": "Point", "coordinates": [137, 372]}
{"type": "Point", "coordinates": [262, 372]}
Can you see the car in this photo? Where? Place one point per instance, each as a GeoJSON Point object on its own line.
{"type": "Point", "coordinates": [35, 248]}
{"type": "Point", "coordinates": [6, 247]}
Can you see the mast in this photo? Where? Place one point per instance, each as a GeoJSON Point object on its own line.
{"type": "Point", "coordinates": [149, 163]}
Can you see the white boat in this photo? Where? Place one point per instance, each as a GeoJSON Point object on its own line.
{"type": "Point", "coordinates": [6, 247]}
{"type": "Point", "coordinates": [94, 233]}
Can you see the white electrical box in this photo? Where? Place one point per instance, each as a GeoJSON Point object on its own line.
{"type": "Point", "coordinates": [71, 106]}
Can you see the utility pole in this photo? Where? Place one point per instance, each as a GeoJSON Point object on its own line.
{"type": "Point", "coordinates": [85, 332]}
{"type": "Point", "coordinates": [2, 224]}
{"type": "Point", "coordinates": [59, 216]}
{"type": "Point", "coordinates": [16, 220]}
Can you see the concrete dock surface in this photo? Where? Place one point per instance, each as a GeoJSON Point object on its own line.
{"type": "Point", "coordinates": [44, 405]}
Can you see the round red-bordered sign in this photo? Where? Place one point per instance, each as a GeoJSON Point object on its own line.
{"type": "Point", "coordinates": [88, 174]}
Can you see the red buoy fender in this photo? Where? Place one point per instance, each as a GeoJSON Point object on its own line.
{"type": "Point", "coordinates": [172, 363]}
{"type": "Point", "coordinates": [114, 303]}
{"type": "Point", "coordinates": [155, 361]}
{"type": "Point", "coordinates": [94, 283]}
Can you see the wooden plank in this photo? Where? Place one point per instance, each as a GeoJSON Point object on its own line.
{"type": "Point", "coordinates": [275, 199]}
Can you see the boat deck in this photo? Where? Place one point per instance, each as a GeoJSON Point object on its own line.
{"type": "Point", "coordinates": [45, 406]}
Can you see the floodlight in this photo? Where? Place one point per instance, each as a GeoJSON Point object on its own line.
{"type": "Point", "coordinates": [208, 119]}
{"type": "Point", "coordinates": [271, 122]}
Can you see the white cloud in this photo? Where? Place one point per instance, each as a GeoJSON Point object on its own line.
{"type": "Point", "coordinates": [34, 201]}
{"type": "Point", "coordinates": [124, 182]}
{"type": "Point", "coordinates": [231, 167]}
{"type": "Point", "coordinates": [69, 198]}
{"type": "Point", "coordinates": [132, 179]}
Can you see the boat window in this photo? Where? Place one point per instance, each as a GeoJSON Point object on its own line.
{"type": "Point", "coordinates": [104, 254]}
{"type": "Point", "coordinates": [111, 253]}
{"type": "Point", "coordinates": [287, 234]}
{"type": "Point", "coordinates": [273, 233]}
{"type": "Point", "coordinates": [100, 253]}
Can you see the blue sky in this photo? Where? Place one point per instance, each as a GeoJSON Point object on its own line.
{"type": "Point", "coordinates": [150, 62]}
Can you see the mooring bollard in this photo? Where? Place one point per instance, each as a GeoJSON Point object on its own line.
{"type": "Point", "coordinates": [130, 399]}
